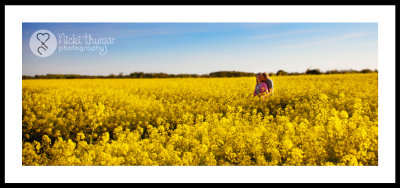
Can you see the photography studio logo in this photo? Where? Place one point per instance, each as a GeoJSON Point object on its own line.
{"type": "Point", "coordinates": [43, 43]}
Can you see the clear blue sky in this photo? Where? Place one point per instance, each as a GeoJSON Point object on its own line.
{"type": "Point", "coordinates": [201, 48]}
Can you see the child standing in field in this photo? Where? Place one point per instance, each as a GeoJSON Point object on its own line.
{"type": "Point", "coordinates": [265, 79]}
{"type": "Point", "coordinates": [261, 87]}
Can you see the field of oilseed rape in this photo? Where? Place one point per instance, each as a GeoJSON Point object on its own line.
{"type": "Point", "coordinates": [309, 120]}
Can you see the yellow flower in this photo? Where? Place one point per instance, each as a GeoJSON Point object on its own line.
{"type": "Point", "coordinates": [309, 120]}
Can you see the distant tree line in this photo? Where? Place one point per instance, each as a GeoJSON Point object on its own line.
{"type": "Point", "coordinates": [318, 71]}
{"type": "Point", "coordinates": [144, 75]}
{"type": "Point", "coordinates": [210, 75]}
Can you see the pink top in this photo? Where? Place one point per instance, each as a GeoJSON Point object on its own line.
{"type": "Point", "coordinates": [260, 88]}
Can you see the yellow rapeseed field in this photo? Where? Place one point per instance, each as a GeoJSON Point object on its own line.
{"type": "Point", "coordinates": [309, 120]}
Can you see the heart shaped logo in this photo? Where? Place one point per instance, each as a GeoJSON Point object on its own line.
{"type": "Point", "coordinates": [43, 37]}
{"type": "Point", "coordinates": [43, 43]}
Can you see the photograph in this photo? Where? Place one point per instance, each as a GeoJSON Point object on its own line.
{"type": "Point", "coordinates": [200, 94]}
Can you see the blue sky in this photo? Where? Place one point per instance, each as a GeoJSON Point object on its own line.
{"type": "Point", "coordinates": [201, 48]}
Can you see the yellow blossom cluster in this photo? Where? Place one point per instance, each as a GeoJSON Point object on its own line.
{"type": "Point", "coordinates": [309, 120]}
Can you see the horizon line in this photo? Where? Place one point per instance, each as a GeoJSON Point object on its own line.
{"type": "Point", "coordinates": [199, 74]}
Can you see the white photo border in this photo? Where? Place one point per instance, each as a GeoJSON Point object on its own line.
{"type": "Point", "coordinates": [16, 15]}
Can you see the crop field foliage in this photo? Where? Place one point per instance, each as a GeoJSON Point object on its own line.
{"type": "Point", "coordinates": [315, 120]}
